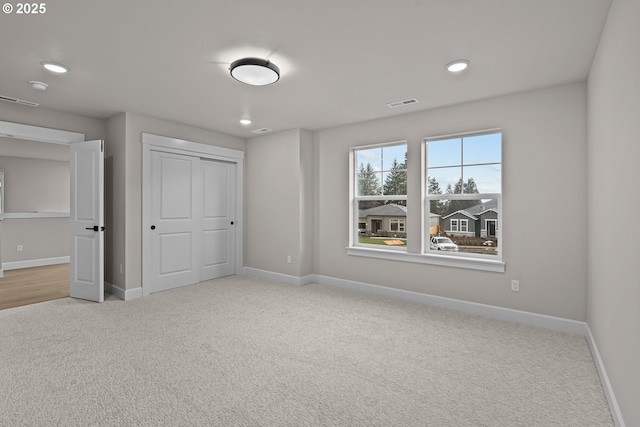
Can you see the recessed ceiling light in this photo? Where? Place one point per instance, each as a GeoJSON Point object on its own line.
{"type": "Point", "coordinates": [38, 85]}
{"type": "Point", "coordinates": [457, 65]}
{"type": "Point", "coordinates": [55, 67]}
{"type": "Point", "coordinates": [245, 122]}
{"type": "Point", "coordinates": [255, 71]}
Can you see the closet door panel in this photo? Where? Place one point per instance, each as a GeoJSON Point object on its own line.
{"type": "Point", "coordinates": [218, 201]}
{"type": "Point", "coordinates": [175, 224]}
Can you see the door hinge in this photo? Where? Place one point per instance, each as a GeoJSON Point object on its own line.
{"type": "Point", "coordinates": [102, 145]}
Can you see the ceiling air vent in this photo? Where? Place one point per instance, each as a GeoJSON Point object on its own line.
{"type": "Point", "coordinates": [18, 101]}
{"type": "Point", "coordinates": [402, 103]}
{"type": "Point", "coordinates": [261, 130]}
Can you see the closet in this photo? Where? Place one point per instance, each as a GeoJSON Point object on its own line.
{"type": "Point", "coordinates": [190, 218]}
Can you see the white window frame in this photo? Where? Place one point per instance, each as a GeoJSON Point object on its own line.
{"type": "Point", "coordinates": [421, 256]}
{"type": "Point", "coordinates": [453, 225]}
{"type": "Point", "coordinates": [355, 199]}
{"type": "Point", "coordinates": [464, 225]}
{"type": "Point", "coordinates": [461, 256]}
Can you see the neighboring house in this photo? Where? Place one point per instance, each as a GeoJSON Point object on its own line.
{"type": "Point", "coordinates": [390, 219]}
{"type": "Point", "coordinates": [480, 221]}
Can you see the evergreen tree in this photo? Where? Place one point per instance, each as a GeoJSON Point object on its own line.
{"type": "Point", "coordinates": [470, 187]}
{"type": "Point", "coordinates": [368, 184]}
{"type": "Point", "coordinates": [440, 207]}
{"type": "Point", "coordinates": [395, 182]}
{"type": "Point", "coordinates": [461, 187]}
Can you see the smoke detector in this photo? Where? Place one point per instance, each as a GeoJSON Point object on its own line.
{"type": "Point", "coordinates": [38, 85]}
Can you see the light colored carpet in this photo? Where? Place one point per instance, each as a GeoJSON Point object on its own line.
{"type": "Point", "coordinates": [242, 351]}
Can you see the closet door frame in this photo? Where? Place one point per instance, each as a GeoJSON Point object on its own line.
{"type": "Point", "coordinates": [165, 144]}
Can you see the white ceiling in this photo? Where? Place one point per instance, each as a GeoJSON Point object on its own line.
{"type": "Point", "coordinates": [342, 61]}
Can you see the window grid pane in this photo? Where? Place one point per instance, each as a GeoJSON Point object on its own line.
{"type": "Point", "coordinates": [462, 198]}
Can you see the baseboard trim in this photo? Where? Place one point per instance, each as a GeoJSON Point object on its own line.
{"type": "Point", "coordinates": [604, 380]}
{"type": "Point", "coordinates": [14, 265]}
{"type": "Point", "coordinates": [127, 295]}
{"type": "Point", "coordinates": [491, 311]}
{"type": "Point", "coordinates": [279, 277]}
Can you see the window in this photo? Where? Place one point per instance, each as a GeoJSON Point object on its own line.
{"type": "Point", "coordinates": [396, 225]}
{"type": "Point", "coordinates": [463, 193]}
{"type": "Point", "coordinates": [462, 202]}
{"type": "Point", "coordinates": [456, 225]}
{"type": "Point", "coordinates": [379, 209]}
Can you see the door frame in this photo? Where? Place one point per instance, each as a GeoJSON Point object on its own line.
{"type": "Point", "coordinates": [38, 134]}
{"type": "Point", "coordinates": [151, 142]}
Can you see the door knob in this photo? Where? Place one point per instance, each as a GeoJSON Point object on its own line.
{"type": "Point", "coordinates": [153, 227]}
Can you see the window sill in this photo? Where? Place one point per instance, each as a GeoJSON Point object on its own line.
{"type": "Point", "coordinates": [442, 260]}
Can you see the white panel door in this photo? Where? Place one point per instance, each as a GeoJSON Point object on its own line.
{"type": "Point", "coordinates": [87, 220]}
{"type": "Point", "coordinates": [218, 217]}
{"type": "Point", "coordinates": [175, 220]}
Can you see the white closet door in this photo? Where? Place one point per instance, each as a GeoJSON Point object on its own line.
{"type": "Point", "coordinates": [175, 220]}
{"type": "Point", "coordinates": [218, 222]}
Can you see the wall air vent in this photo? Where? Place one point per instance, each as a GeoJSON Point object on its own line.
{"type": "Point", "coordinates": [402, 103]}
{"type": "Point", "coordinates": [18, 101]}
{"type": "Point", "coordinates": [261, 130]}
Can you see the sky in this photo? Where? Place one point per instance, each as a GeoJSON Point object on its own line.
{"type": "Point", "coordinates": [478, 157]}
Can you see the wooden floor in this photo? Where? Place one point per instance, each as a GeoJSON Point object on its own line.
{"type": "Point", "coordinates": [31, 285]}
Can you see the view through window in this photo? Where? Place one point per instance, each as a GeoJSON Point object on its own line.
{"type": "Point", "coordinates": [380, 202]}
{"type": "Point", "coordinates": [463, 194]}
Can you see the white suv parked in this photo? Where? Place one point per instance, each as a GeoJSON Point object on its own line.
{"type": "Point", "coordinates": [443, 244]}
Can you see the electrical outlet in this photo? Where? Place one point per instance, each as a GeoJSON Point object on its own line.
{"type": "Point", "coordinates": [288, 259]}
{"type": "Point", "coordinates": [120, 268]}
{"type": "Point", "coordinates": [515, 286]}
{"type": "Point", "coordinates": [19, 248]}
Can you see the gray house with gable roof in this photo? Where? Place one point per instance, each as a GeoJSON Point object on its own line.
{"type": "Point", "coordinates": [476, 221]}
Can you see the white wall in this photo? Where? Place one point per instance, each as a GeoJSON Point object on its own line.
{"type": "Point", "coordinates": [307, 211]}
{"type": "Point", "coordinates": [544, 198]}
{"type": "Point", "coordinates": [614, 177]}
{"type": "Point", "coordinates": [279, 203]}
{"type": "Point", "coordinates": [41, 238]}
{"type": "Point", "coordinates": [35, 185]}
{"type": "Point", "coordinates": [92, 128]}
{"type": "Point", "coordinates": [114, 201]}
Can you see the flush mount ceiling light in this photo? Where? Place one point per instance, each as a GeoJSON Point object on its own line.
{"type": "Point", "coordinates": [255, 71]}
{"type": "Point", "coordinates": [457, 65]}
{"type": "Point", "coordinates": [245, 122]}
{"type": "Point", "coordinates": [55, 67]}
